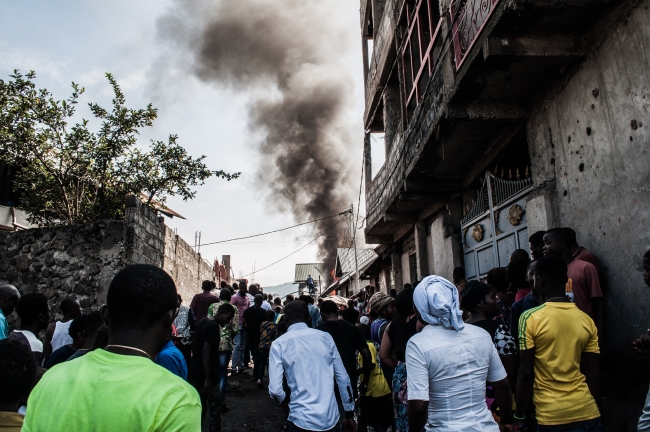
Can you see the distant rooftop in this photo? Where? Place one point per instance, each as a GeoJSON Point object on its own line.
{"type": "Point", "coordinates": [313, 269]}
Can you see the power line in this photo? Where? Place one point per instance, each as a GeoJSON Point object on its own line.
{"type": "Point", "coordinates": [298, 250]}
{"type": "Point", "coordinates": [278, 230]}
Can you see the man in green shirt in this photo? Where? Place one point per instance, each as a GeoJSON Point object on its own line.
{"type": "Point", "coordinates": [120, 387]}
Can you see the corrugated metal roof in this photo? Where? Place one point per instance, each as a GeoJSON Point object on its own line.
{"type": "Point", "coordinates": [314, 269]}
{"type": "Point", "coordinates": [346, 264]}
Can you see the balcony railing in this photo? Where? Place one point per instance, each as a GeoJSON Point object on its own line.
{"type": "Point", "coordinates": [469, 17]}
{"type": "Point", "coordinates": [420, 51]}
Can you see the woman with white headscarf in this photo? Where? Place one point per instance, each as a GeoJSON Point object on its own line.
{"type": "Point", "coordinates": [448, 365]}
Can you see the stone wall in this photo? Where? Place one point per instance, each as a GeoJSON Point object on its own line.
{"type": "Point", "coordinates": [81, 260]}
{"type": "Point", "coordinates": [590, 137]}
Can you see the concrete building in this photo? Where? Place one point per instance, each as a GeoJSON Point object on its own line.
{"type": "Point", "coordinates": [502, 118]}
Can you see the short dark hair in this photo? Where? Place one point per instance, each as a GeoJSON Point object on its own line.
{"type": "Point", "coordinates": [224, 294]}
{"type": "Point", "coordinates": [304, 298]}
{"type": "Point", "coordinates": [552, 268]}
{"type": "Point", "coordinates": [497, 279]}
{"type": "Point", "coordinates": [67, 305]}
{"type": "Point", "coordinates": [78, 325]}
{"type": "Point", "coordinates": [458, 273]}
{"type": "Point", "coordinates": [408, 286]}
{"type": "Point", "coordinates": [393, 292]}
{"type": "Point", "coordinates": [270, 315]}
{"type": "Point", "coordinates": [225, 309]}
{"type": "Point", "coordinates": [519, 254]}
{"type": "Point", "coordinates": [296, 311]}
{"type": "Point", "coordinates": [139, 295]}
{"type": "Point", "coordinates": [516, 272]}
{"type": "Point", "coordinates": [560, 234]}
{"type": "Point", "coordinates": [571, 236]}
{"type": "Point", "coordinates": [473, 294]}
{"type": "Point", "coordinates": [206, 285]}
{"type": "Point", "coordinates": [223, 284]}
{"type": "Point", "coordinates": [277, 301]}
{"type": "Point", "coordinates": [289, 297]}
{"type": "Point", "coordinates": [30, 306]}
{"type": "Point", "coordinates": [17, 371]}
{"type": "Point", "coordinates": [537, 239]}
{"type": "Point", "coordinates": [329, 307]}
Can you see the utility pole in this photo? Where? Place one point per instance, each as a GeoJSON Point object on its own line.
{"type": "Point", "coordinates": [354, 237]}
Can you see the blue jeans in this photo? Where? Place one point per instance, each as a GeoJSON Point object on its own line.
{"type": "Point", "coordinates": [594, 425]}
{"type": "Point", "coordinates": [224, 359]}
{"type": "Point", "coordinates": [238, 350]}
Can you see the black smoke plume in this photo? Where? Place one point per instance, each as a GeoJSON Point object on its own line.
{"type": "Point", "coordinates": [286, 53]}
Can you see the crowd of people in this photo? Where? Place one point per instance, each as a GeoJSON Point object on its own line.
{"type": "Point", "coordinates": [517, 350]}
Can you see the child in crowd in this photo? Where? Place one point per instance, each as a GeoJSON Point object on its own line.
{"type": "Point", "coordinates": [268, 333]}
{"type": "Point", "coordinates": [376, 405]}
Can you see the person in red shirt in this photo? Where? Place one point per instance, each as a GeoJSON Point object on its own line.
{"type": "Point", "coordinates": [584, 283]}
{"type": "Point", "coordinates": [201, 302]}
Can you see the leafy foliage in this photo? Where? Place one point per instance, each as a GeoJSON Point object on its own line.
{"type": "Point", "coordinates": [72, 175]}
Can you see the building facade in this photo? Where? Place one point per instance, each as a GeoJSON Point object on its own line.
{"type": "Point", "coordinates": [499, 119]}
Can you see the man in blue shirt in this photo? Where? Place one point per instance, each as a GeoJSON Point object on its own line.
{"type": "Point", "coordinates": [311, 363]}
{"type": "Point", "coordinates": [172, 359]}
{"type": "Point", "coordinates": [310, 284]}
{"type": "Point", "coordinates": [9, 296]}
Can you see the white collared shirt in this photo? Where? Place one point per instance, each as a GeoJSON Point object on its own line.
{"type": "Point", "coordinates": [311, 363]}
{"type": "Point", "coordinates": [449, 369]}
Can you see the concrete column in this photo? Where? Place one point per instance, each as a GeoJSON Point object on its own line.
{"type": "Point", "coordinates": [422, 259]}
{"type": "Point", "coordinates": [366, 62]}
{"type": "Point", "coordinates": [392, 114]}
{"type": "Point", "coordinates": [396, 260]}
{"type": "Point", "coordinates": [367, 160]}
{"type": "Point", "coordinates": [539, 214]}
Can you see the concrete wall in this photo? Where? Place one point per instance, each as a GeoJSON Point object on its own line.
{"type": "Point", "coordinates": [187, 267]}
{"type": "Point", "coordinates": [445, 249]}
{"type": "Point", "coordinates": [592, 136]}
{"type": "Point", "coordinates": [81, 260]}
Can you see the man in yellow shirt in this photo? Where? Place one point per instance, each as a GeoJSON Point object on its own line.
{"type": "Point", "coordinates": [120, 388]}
{"type": "Point", "coordinates": [555, 339]}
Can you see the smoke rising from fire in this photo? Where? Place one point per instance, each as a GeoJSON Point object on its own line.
{"type": "Point", "coordinates": [288, 55]}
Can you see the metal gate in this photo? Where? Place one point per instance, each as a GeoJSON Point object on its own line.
{"type": "Point", "coordinates": [496, 224]}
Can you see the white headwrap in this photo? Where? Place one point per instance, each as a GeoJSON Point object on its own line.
{"type": "Point", "coordinates": [437, 301]}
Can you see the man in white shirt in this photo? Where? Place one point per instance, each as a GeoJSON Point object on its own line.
{"type": "Point", "coordinates": [312, 364]}
{"type": "Point", "coordinates": [448, 366]}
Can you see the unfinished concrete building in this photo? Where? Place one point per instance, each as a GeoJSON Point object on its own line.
{"type": "Point", "coordinates": [500, 118]}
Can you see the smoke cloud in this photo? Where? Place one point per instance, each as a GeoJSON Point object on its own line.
{"type": "Point", "coordinates": [288, 55]}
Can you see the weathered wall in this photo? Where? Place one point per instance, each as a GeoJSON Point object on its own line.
{"type": "Point", "coordinates": [66, 261]}
{"type": "Point", "coordinates": [186, 266]}
{"type": "Point", "coordinates": [81, 260]}
{"type": "Point", "coordinates": [445, 249]}
{"type": "Point", "coordinates": [592, 135]}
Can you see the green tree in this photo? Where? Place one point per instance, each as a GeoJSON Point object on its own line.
{"type": "Point", "coordinates": [68, 174]}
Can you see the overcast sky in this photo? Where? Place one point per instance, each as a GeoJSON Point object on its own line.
{"type": "Point", "coordinates": [79, 41]}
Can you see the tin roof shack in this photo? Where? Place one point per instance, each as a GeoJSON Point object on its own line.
{"type": "Point", "coordinates": [318, 272]}
{"type": "Point", "coordinates": [345, 270]}
{"type": "Point", "coordinates": [504, 118]}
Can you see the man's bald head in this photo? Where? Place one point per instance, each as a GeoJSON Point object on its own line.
{"type": "Point", "coordinates": [9, 296]}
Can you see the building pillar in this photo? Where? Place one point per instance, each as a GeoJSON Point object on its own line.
{"type": "Point", "coordinates": [422, 259]}
{"type": "Point", "coordinates": [367, 160]}
{"type": "Point", "coordinates": [396, 260]}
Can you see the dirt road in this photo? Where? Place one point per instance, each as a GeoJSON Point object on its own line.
{"type": "Point", "coordinates": [251, 409]}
